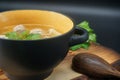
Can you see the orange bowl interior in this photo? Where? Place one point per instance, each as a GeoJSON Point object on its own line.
{"type": "Point", "coordinates": [56, 20]}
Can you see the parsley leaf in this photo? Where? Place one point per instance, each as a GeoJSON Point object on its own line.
{"type": "Point", "coordinates": [33, 37]}
{"type": "Point", "coordinates": [84, 45]}
{"type": "Point", "coordinates": [91, 38]}
{"type": "Point", "coordinates": [25, 35]}
{"type": "Point", "coordinates": [12, 35]}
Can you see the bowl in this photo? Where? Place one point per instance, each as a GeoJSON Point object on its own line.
{"type": "Point", "coordinates": [35, 59]}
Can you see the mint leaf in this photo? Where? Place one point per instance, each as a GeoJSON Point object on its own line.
{"type": "Point", "coordinates": [33, 37]}
{"type": "Point", "coordinates": [91, 36]}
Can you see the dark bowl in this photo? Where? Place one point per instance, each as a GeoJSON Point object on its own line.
{"type": "Point", "coordinates": [35, 59]}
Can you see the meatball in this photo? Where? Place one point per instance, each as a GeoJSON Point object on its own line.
{"type": "Point", "coordinates": [36, 31]}
{"type": "Point", "coordinates": [19, 28]}
{"type": "Point", "coordinates": [53, 32]}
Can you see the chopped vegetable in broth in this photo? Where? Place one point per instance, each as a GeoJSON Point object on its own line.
{"type": "Point", "coordinates": [24, 32]}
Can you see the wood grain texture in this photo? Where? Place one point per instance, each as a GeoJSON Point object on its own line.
{"type": "Point", "coordinates": [64, 72]}
{"type": "Point", "coordinates": [104, 52]}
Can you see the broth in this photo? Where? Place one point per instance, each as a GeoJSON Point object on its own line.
{"type": "Point", "coordinates": [29, 32]}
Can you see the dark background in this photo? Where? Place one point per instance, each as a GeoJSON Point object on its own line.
{"type": "Point", "coordinates": [85, 2]}
{"type": "Point", "coordinates": [103, 15]}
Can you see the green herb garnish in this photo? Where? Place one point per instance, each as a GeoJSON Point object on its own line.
{"type": "Point", "coordinates": [91, 38]}
{"type": "Point", "coordinates": [33, 36]}
{"type": "Point", "coordinates": [25, 35]}
{"type": "Point", "coordinates": [12, 35]}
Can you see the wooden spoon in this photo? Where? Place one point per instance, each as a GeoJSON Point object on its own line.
{"type": "Point", "coordinates": [94, 66]}
{"type": "Point", "coordinates": [116, 64]}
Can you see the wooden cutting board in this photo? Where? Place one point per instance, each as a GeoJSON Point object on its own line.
{"type": "Point", "coordinates": [64, 72]}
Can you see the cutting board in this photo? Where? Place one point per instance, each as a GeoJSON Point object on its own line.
{"type": "Point", "coordinates": [64, 72]}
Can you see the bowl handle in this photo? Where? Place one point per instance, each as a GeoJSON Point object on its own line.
{"type": "Point", "coordinates": [80, 35]}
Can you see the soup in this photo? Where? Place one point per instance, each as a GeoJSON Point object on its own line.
{"type": "Point", "coordinates": [29, 32]}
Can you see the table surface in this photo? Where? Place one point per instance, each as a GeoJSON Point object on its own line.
{"type": "Point", "coordinates": [63, 70]}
